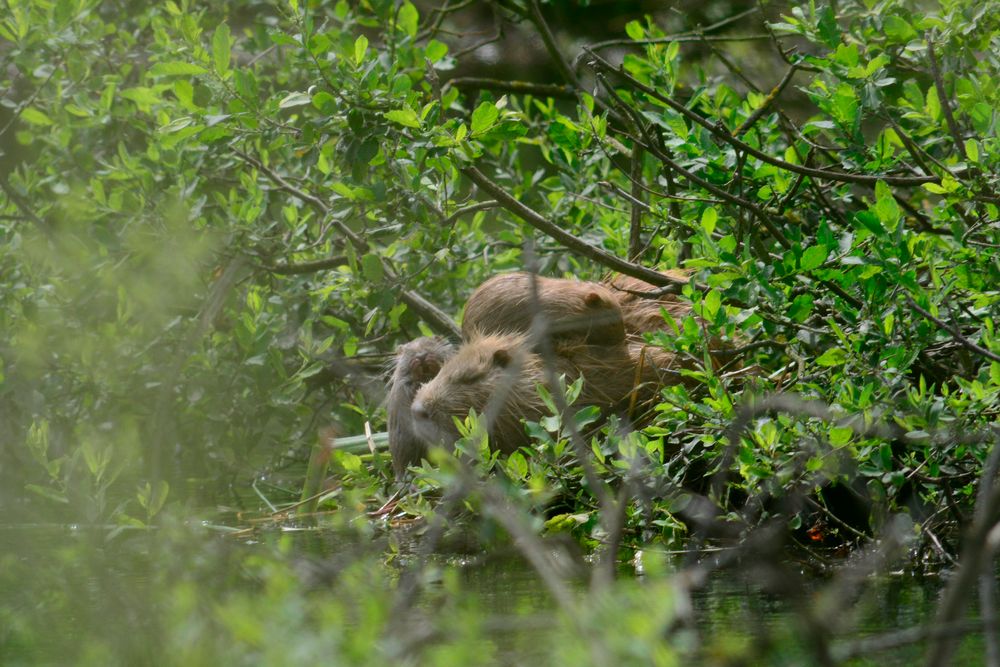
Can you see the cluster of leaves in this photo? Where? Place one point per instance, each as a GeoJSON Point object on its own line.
{"type": "Point", "coordinates": [215, 224]}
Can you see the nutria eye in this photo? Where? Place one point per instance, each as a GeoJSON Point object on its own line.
{"type": "Point", "coordinates": [471, 379]}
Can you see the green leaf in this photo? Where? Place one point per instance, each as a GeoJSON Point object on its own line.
{"type": "Point", "coordinates": [371, 268]}
{"type": "Point", "coordinates": [982, 117]}
{"type": "Point", "coordinates": [77, 111]}
{"type": "Point", "coordinates": [404, 116]}
{"type": "Point", "coordinates": [840, 435]}
{"type": "Point", "coordinates": [221, 50]}
{"type": "Point", "coordinates": [886, 207]}
{"type": "Point", "coordinates": [835, 356]}
{"type": "Point", "coordinates": [829, 31]}
{"type": "Point", "coordinates": [711, 304]}
{"type": "Point", "coordinates": [144, 98]}
{"type": "Point", "coordinates": [484, 117]}
{"type": "Point", "coordinates": [408, 18]}
{"type": "Point", "coordinates": [801, 308]}
{"type": "Point", "coordinates": [634, 30]}
{"type": "Point", "coordinates": [708, 218]}
{"type": "Point", "coordinates": [898, 30]}
{"type": "Point", "coordinates": [847, 55]}
{"type": "Point", "coordinates": [517, 467]}
{"type": "Point", "coordinates": [35, 117]}
{"type": "Point", "coordinates": [972, 150]}
{"type": "Point", "coordinates": [360, 47]}
{"type": "Point", "coordinates": [813, 257]}
{"type": "Point", "coordinates": [152, 498]}
{"type": "Point", "coordinates": [176, 68]}
{"type": "Point", "coordinates": [324, 101]}
{"type": "Point", "coordinates": [295, 100]}
{"type": "Point", "coordinates": [435, 50]}
{"type": "Point", "coordinates": [933, 104]}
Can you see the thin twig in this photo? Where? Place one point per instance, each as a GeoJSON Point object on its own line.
{"type": "Point", "coordinates": [22, 204]}
{"type": "Point", "coordinates": [956, 334]}
{"type": "Point", "coordinates": [949, 117]}
{"type": "Point", "coordinates": [288, 269]}
{"type": "Point", "coordinates": [766, 104]}
{"type": "Point", "coordinates": [635, 218]}
{"type": "Point", "coordinates": [685, 36]}
{"type": "Point", "coordinates": [550, 44]}
{"type": "Point", "coordinates": [522, 87]}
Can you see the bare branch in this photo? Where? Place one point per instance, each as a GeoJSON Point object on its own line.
{"type": "Point", "coordinates": [635, 219]}
{"type": "Point", "coordinates": [550, 44]}
{"type": "Point", "coordinates": [525, 87]}
{"type": "Point", "coordinates": [550, 228]}
{"type": "Point", "coordinates": [766, 104]}
{"type": "Point", "coordinates": [949, 116]}
{"type": "Point", "coordinates": [956, 334]}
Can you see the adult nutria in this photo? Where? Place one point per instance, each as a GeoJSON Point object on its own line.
{"type": "Point", "coordinates": [641, 313]}
{"type": "Point", "coordinates": [416, 363]}
{"type": "Point", "coordinates": [575, 310]}
{"type": "Point", "coordinates": [497, 375]}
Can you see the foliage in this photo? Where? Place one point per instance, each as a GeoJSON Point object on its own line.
{"type": "Point", "coordinates": [217, 221]}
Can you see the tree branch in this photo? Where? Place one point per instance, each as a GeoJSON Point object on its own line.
{"type": "Point", "coordinates": [956, 334]}
{"type": "Point", "coordinates": [525, 87]}
{"type": "Point", "coordinates": [434, 316]}
{"type": "Point", "coordinates": [762, 109]}
{"type": "Point", "coordinates": [288, 269]}
{"type": "Point", "coordinates": [542, 224]}
{"type": "Point", "coordinates": [550, 44]}
{"type": "Point", "coordinates": [720, 132]}
{"type": "Point", "coordinates": [635, 219]}
{"type": "Point", "coordinates": [949, 117]}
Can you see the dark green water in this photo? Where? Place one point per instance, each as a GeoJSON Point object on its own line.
{"type": "Point", "coordinates": [76, 595]}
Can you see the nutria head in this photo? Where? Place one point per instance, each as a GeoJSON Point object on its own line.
{"type": "Point", "coordinates": [495, 375]}
{"type": "Point", "coordinates": [498, 375]}
{"type": "Point", "coordinates": [416, 363]}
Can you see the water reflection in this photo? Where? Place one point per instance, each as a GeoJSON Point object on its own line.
{"type": "Point", "coordinates": [118, 597]}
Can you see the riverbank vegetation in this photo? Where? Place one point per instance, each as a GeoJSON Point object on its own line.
{"type": "Point", "coordinates": [218, 222]}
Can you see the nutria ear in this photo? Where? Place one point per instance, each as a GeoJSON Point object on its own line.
{"type": "Point", "coordinates": [593, 300]}
{"type": "Point", "coordinates": [501, 358]}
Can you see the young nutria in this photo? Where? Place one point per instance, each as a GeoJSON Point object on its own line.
{"type": "Point", "coordinates": [575, 310]}
{"type": "Point", "coordinates": [416, 363]}
{"type": "Point", "coordinates": [497, 376]}
{"type": "Point", "coordinates": [641, 313]}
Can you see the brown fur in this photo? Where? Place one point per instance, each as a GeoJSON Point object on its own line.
{"type": "Point", "coordinates": [416, 363]}
{"type": "Point", "coordinates": [497, 375]}
{"type": "Point", "coordinates": [575, 310]}
{"type": "Point", "coordinates": [641, 314]}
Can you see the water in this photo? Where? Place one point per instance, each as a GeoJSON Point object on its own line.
{"type": "Point", "coordinates": [100, 595]}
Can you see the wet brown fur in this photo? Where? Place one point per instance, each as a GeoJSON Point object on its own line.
{"type": "Point", "coordinates": [640, 313]}
{"type": "Point", "coordinates": [575, 310]}
{"type": "Point", "coordinates": [416, 363]}
{"type": "Point", "coordinates": [492, 368]}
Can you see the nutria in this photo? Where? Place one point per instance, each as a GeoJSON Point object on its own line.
{"type": "Point", "coordinates": [416, 363]}
{"type": "Point", "coordinates": [575, 311]}
{"type": "Point", "coordinates": [497, 376]}
{"type": "Point", "coordinates": [642, 314]}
